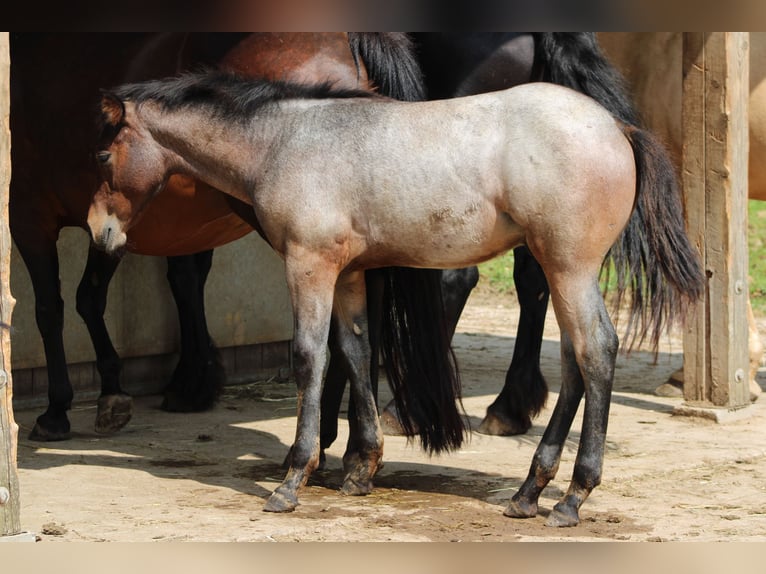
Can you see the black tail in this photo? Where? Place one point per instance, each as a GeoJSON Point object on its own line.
{"type": "Point", "coordinates": [415, 338]}
{"type": "Point", "coordinates": [575, 60]}
{"type": "Point", "coordinates": [419, 361]}
{"type": "Point", "coordinates": [654, 259]}
{"type": "Point", "coordinates": [390, 62]}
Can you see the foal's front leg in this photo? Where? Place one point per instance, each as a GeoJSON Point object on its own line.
{"type": "Point", "coordinates": [311, 280]}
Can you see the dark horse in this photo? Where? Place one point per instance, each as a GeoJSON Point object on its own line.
{"type": "Point", "coordinates": [54, 86]}
{"type": "Point", "coordinates": [458, 64]}
{"type": "Point", "coordinates": [342, 182]}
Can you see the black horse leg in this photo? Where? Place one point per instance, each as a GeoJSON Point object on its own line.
{"type": "Point", "coordinates": [457, 285]}
{"type": "Point", "coordinates": [199, 376]}
{"type": "Point", "coordinates": [115, 407]}
{"type": "Point", "coordinates": [525, 390]}
{"type": "Point", "coordinates": [43, 266]}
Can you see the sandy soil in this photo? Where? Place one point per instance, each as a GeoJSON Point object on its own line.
{"type": "Point", "coordinates": [205, 477]}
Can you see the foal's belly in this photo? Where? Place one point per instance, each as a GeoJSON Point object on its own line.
{"type": "Point", "coordinates": [444, 243]}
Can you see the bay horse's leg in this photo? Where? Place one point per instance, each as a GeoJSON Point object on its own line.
{"type": "Point", "coordinates": [589, 350]}
{"type": "Point", "coordinates": [311, 281]}
{"type": "Point", "coordinates": [525, 390]}
{"type": "Point", "coordinates": [43, 266]}
{"type": "Point", "coordinates": [115, 407]}
{"type": "Point", "coordinates": [198, 378]}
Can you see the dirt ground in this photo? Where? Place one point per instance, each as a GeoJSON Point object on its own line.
{"type": "Point", "coordinates": [205, 477]}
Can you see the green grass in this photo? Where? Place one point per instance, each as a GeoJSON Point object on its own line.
{"type": "Point", "coordinates": [756, 240]}
{"type": "Point", "coordinates": [497, 273]}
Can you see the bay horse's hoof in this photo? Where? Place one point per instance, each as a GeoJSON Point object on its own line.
{"type": "Point", "coordinates": [114, 412]}
{"type": "Point", "coordinates": [562, 516]}
{"type": "Point", "coordinates": [279, 502]}
{"type": "Point", "coordinates": [519, 508]}
{"type": "Point", "coordinates": [50, 429]}
{"type": "Point", "coordinates": [495, 424]}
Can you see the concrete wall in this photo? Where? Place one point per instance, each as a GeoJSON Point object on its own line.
{"type": "Point", "coordinates": [247, 304]}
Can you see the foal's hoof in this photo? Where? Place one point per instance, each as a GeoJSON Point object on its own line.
{"type": "Point", "coordinates": [520, 508]}
{"type": "Point", "coordinates": [496, 424]}
{"type": "Point", "coordinates": [49, 429]}
{"type": "Point", "coordinates": [279, 502]}
{"type": "Point", "coordinates": [755, 390]}
{"type": "Point", "coordinates": [354, 487]}
{"type": "Point", "coordinates": [114, 412]}
{"type": "Point", "coordinates": [563, 515]}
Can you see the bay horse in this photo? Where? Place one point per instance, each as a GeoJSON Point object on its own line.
{"type": "Point", "coordinates": [344, 181]}
{"type": "Point", "coordinates": [186, 223]}
{"type": "Point", "coordinates": [457, 64]}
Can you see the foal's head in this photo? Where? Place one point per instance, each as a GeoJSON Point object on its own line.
{"type": "Point", "coordinates": [135, 166]}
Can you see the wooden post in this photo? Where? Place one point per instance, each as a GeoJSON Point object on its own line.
{"type": "Point", "coordinates": [715, 170]}
{"type": "Point", "coordinates": [9, 431]}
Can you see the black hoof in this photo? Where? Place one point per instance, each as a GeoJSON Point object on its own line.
{"type": "Point", "coordinates": [177, 402]}
{"type": "Point", "coordinates": [390, 423]}
{"type": "Point", "coordinates": [114, 412]}
{"type": "Point", "coordinates": [51, 427]}
{"type": "Point", "coordinates": [496, 424]}
{"type": "Point", "coordinates": [50, 434]}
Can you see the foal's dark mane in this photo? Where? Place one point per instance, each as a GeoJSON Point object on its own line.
{"type": "Point", "coordinates": [228, 95]}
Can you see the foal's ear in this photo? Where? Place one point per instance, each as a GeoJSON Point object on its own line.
{"type": "Point", "coordinates": [112, 108]}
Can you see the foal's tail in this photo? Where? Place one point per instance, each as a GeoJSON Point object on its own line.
{"type": "Point", "coordinates": [391, 63]}
{"type": "Point", "coordinates": [418, 359]}
{"type": "Point", "coordinates": [654, 258]}
{"type": "Point", "coordinates": [575, 60]}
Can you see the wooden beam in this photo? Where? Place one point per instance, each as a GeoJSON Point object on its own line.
{"type": "Point", "coordinates": [9, 430]}
{"type": "Point", "coordinates": [715, 170]}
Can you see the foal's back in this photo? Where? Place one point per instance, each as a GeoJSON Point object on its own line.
{"type": "Point", "coordinates": [462, 179]}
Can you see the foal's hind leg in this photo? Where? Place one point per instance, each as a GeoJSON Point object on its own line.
{"type": "Point", "coordinates": [589, 349]}
{"type": "Point", "coordinates": [337, 375]}
{"type": "Point", "coordinates": [365, 446]}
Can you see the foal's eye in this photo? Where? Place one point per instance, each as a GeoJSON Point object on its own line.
{"type": "Point", "coordinates": [103, 156]}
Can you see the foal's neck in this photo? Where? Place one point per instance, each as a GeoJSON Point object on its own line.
{"type": "Point", "coordinates": [209, 148]}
